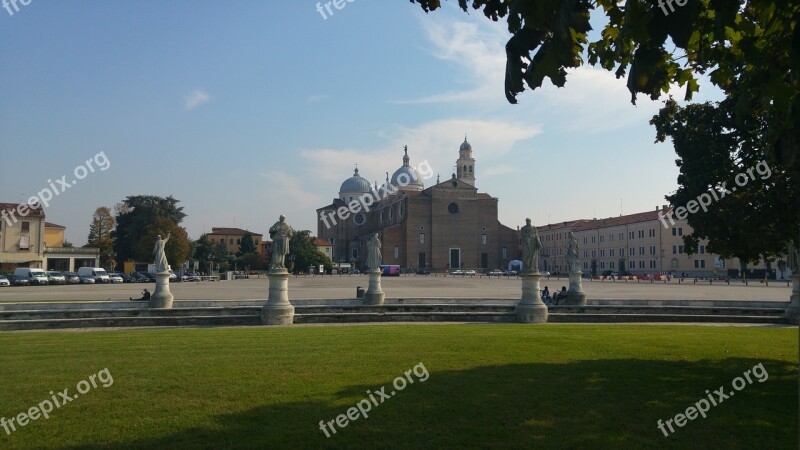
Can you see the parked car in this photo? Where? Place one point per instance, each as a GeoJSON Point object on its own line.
{"type": "Point", "coordinates": [469, 272]}
{"type": "Point", "coordinates": [145, 277]}
{"type": "Point", "coordinates": [33, 275]}
{"type": "Point", "coordinates": [98, 273]}
{"type": "Point", "coordinates": [56, 278]}
{"type": "Point", "coordinates": [72, 277]}
{"type": "Point", "coordinates": [545, 273]}
{"type": "Point", "coordinates": [494, 273]}
{"type": "Point", "coordinates": [510, 273]}
{"type": "Point", "coordinates": [18, 280]}
{"type": "Point", "coordinates": [457, 272]}
{"type": "Point", "coordinates": [191, 276]}
{"type": "Point", "coordinates": [87, 279]}
{"type": "Point", "coordinates": [126, 278]}
{"type": "Point", "coordinates": [4, 281]}
{"type": "Point", "coordinates": [115, 277]}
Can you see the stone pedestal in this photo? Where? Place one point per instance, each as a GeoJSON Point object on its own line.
{"type": "Point", "coordinates": [162, 297]}
{"type": "Point", "coordinates": [575, 295]}
{"type": "Point", "coordinates": [531, 309]}
{"type": "Point", "coordinates": [374, 294]}
{"type": "Point", "coordinates": [793, 310]}
{"type": "Point", "coordinates": [278, 310]}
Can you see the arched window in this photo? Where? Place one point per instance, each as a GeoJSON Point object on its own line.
{"type": "Point", "coordinates": [400, 212]}
{"type": "Point", "coordinates": [470, 169]}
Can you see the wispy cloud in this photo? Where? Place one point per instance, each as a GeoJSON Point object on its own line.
{"type": "Point", "coordinates": [318, 98]}
{"type": "Point", "coordinates": [195, 99]}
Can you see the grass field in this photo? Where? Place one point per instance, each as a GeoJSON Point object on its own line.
{"type": "Point", "coordinates": [488, 386]}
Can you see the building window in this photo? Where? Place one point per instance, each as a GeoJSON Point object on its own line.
{"type": "Point", "coordinates": [680, 249]}
{"type": "Point", "coordinates": [641, 234]}
{"type": "Point", "coordinates": [230, 241]}
{"type": "Point", "coordinates": [611, 264]}
{"type": "Point", "coordinates": [452, 208]}
{"type": "Point", "coordinates": [677, 231]}
{"type": "Point", "coordinates": [602, 238]}
{"type": "Point", "coordinates": [621, 236]}
{"type": "Point", "coordinates": [632, 264]}
{"type": "Point", "coordinates": [354, 253]}
{"type": "Point", "coordinates": [674, 249]}
{"type": "Point", "coordinates": [381, 216]}
{"type": "Point", "coordinates": [26, 226]}
{"type": "Point", "coordinates": [602, 253]}
{"type": "Point", "coordinates": [641, 264]}
{"type": "Point", "coordinates": [483, 239]}
{"type": "Point", "coordinates": [396, 252]}
{"type": "Point", "coordinates": [611, 252]}
{"type": "Point", "coordinates": [602, 264]}
{"type": "Point", "coordinates": [24, 242]}
{"type": "Point", "coordinates": [631, 251]}
{"type": "Point", "coordinates": [631, 235]}
{"type": "Point", "coordinates": [422, 238]}
{"type": "Point", "coordinates": [652, 264]}
{"type": "Point", "coordinates": [400, 211]}
{"type": "Point", "coordinates": [592, 239]}
{"type": "Point", "coordinates": [505, 253]}
{"type": "Point", "coordinates": [584, 240]}
{"type": "Point", "coordinates": [594, 254]}
{"type": "Point", "coordinates": [611, 237]}
{"type": "Point", "coordinates": [641, 250]}
{"type": "Point", "coordinates": [652, 249]}
{"type": "Point", "coordinates": [652, 232]}
{"type": "Point", "coordinates": [702, 249]}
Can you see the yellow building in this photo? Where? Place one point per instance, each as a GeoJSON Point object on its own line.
{"type": "Point", "coordinates": [637, 243]}
{"type": "Point", "coordinates": [323, 246]}
{"type": "Point", "coordinates": [231, 238]}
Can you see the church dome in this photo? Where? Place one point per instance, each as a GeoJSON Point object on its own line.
{"type": "Point", "coordinates": [465, 147]}
{"type": "Point", "coordinates": [406, 178]}
{"type": "Point", "coordinates": [355, 185]}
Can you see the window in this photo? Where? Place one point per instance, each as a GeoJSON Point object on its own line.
{"type": "Point", "coordinates": [381, 216]}
{"type": "Point", "coordinates": [621, 236]}
{"type": "Point", "coordinates": [641, 250]}
{"type": "Point", "coordinates": [674, 249]}
{"type": "Point", "coordinates": [677, 231]}
{"type": "Point", "coordinates": [641, 264]}
{"type": "Point", "coordinates": [594, 254]}
{"type": "Point", "coordinates": [653, 264]}
{"type": "Point", "coordinates": [422, 238]}
{"type": "Point", "coordinates": [652, 232]}
{"type": "Point", "coordinates": [611, 264]}
{"type": "Point", "coordinates": [699, 263]}
{"type": "Point", "coordinates": [602, 253]}
{"type": "Point", "coordinates": [26, 226]}
{"type": "Point", "coordinates": [631, 251]}
{"type": "Point", "coordinates": [505, 253]}
{"type": "Point", "coordinates": [702, 249]}
{"type": "Point", "coordinates": [396, 252]}
{"type": "Point", "coordinates": [611, 237]}
{"type": "Point", "coordinates": [652, 249]}
{"type": "Point", "coordinates": [24, 242]}
{"type": "Point", "coordinates": [483, 239]}
{"type": "Point", "coordinates": [602, 238]}
{"type": "Point", "coordinates": [641, 234]}
{"type": "Point", "coordinates": [611, 252]}
{"type": "Point", "coordinates": [621, 253]}
{"type": "Point", "coordinates": [602, 264]}
{"type": "Point", "coordinates": [452, 208]}
{"type": "Point", "coordinates": [632, 264]}
{"type": "Point", "coordinates": [631, 235]}
{"type": "Point", "coordinates": [680, 249]}
{"type": "Point", "coordinates": [400, 211]}
{"type": "Point", "coordinates": [592, 239]}
{"type": "Point", "coordinates": [584, 240]}
{"type": "Point", "coordinates": [230, 241]}
{"type": "Point", "coordinates": [354, 253]}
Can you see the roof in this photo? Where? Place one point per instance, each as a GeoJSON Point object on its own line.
{"type": "Point", "coordinates": [53, 225]}
{"type": "Point", "coordinates": [37, 211]}
{"type": "Point", "coordinates": [232, 232]}
{"type": "Point", "coordinates": [629, 219]}
{"type": "Point", "coordinates": [320, 242]}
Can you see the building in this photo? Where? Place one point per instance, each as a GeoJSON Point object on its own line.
{"type": "Point", "coordinates": [231, 238]}
{"type": "Point", "coordinates": [637, 243]}
{"type": "Point", "coordinates": [448, 225]}
{"type": "Point", "coordinates": [323, 246]}
{"type": "Point", "coordinates": [27, 240]}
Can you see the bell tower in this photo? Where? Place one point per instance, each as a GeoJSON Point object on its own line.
{"type": "Point", "coordinates": [465, 165]}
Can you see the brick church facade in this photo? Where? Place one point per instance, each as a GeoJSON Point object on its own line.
{"type": "Point", "coordinates": [446, 226]}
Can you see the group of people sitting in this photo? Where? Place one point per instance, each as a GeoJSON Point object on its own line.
{"type": "Point", "coordinates": [556, 297]}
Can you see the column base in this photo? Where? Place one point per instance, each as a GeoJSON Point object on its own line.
{"type": "Point", "coordinates": [162, 298]}
{"type": "Point", "coordinates": [277, 315]}
{"type": "Point", "coordinates": [531, 309]}
{"type": "Point", "coordinates": [531, 313]}
{"type": "Point", "coordinates": [374, 294]}
{"type": "Point", "coordinates": [278, 310]}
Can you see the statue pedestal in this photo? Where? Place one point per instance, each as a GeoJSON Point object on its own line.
{"type": "Point", "coordinates": [531, 309]}
{"type": "Point", "coordinates": [793, 310]}
{"type": "Point", "coordinates": [575, 295]}
{"type": "Point", "coordinates": [162, 297]}
{"type": "Point", "coordinates": [374, 294]}
{"type": "Point", "coordinates": [278, 310]}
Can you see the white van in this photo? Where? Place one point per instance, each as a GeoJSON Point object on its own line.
{"type": "Point", "coordinates": [98, 273]}
{"type": "Point", "coordinates": [34, 276]}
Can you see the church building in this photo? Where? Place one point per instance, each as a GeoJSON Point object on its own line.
{"type": "Point", "coordinates": [447, 226]}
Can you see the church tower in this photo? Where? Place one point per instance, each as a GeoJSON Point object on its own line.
{"type": "Point", "coordinates": [465, 165]}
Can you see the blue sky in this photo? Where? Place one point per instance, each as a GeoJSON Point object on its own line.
{"type": "Point", "coordinates": [245, 110]}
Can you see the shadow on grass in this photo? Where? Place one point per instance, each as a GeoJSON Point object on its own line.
{"type": "Point", "coordinates": [584, 404]}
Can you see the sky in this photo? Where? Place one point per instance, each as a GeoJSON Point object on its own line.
{"type": "Point", "coordinates": [247, 109]}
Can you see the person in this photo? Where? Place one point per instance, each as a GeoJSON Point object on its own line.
{"type": "Point", "coordinates": [280, 233]}
{"type": "Point", "coordinates": [145, 295]}
{"type": "Point", "coordinates": [546, 294]}
{"type": "Point", "coordinates": [560, 295]}
{"type": "Point", "coordinates": [531, 244]}
{"type": "Point", "coordinates": [161, 257]}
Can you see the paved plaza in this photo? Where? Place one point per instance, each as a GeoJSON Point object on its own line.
{"type": "Point", "coordinates": [338, 287]}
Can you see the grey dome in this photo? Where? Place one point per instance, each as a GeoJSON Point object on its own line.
{"type": "Point", "coordinates": [355, 185]}
{"type": "Point", "coordinates": [465, 147]}
{"type": "Point", "coordinates": [406, 178]}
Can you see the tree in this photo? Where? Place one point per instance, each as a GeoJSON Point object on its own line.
{"type": "Point", "coordinates": [134, 217]}
{"type": "Point", "coordinates": [100, 230]}
{"type": "Point", "coordinates": [306, 254]}
{"type": "Point", "coordinates": [247, 245]}
{"type": "Point", "coordinates": [177, 248]}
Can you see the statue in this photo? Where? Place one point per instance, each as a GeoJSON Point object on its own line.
{"type": "Point", "coordinates": [161, 258]}
{"type": "Point", "coordinates": [531, 244]}
{"type": "Point", "coordinates": [374, 256]}
{"type": "Point", "coordinates": [793, 258]}
{"type": "Point", "coordinates": [572, 253]}
{"type": "Point", "coordinates": [280, 233]}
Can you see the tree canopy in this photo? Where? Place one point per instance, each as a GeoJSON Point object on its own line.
{"type": "Point", "coordinates": [100, 235]}
{"type": "Point", "coordinates": [177, 248]}
{"type": "Point", "coordinates": [135, 216]}
{"type": "Point", "coordinates": [306, 254]}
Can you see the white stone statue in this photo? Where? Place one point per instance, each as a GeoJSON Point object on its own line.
{"type": "Point", "coordinates": [280, 233]}
{"type": "Point", "coordinates": [374, 255]}
{"type": "Point", "coordinates": [793, 258]}
{"type": "Point", "coordinates": [161, 258]}
{"type": "Point", "coordinates": [531, 244]}
{"type": "Point", "coordinates": [572, 253]}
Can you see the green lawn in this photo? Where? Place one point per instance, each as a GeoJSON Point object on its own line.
{"type": "Point", "coordinates": [489, 386]}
